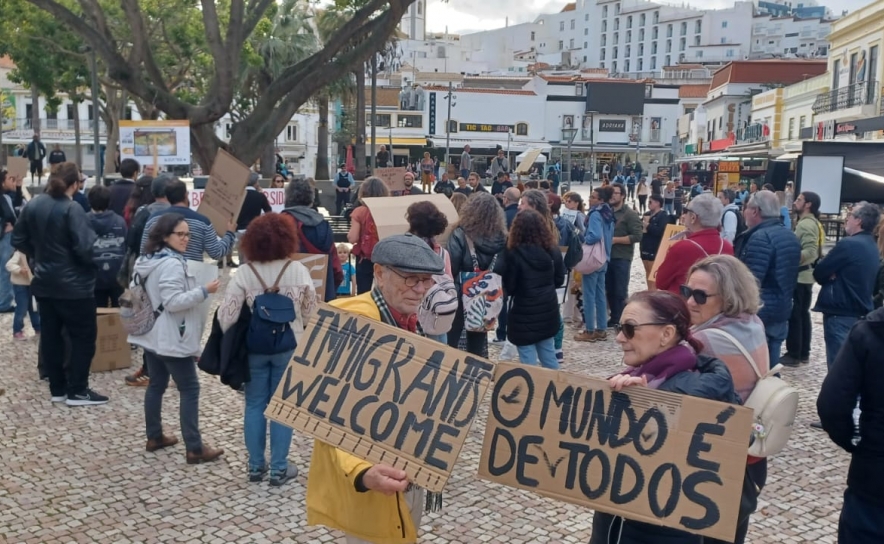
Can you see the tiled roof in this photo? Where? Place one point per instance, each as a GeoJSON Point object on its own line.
{"type": "Point", "coordinates": [777, 71]}
{"type": "Point", "coordinates": [386, 97]}
{"type": "Point", "coordinates": [6, 62]}
{"type": "Point", "coordinates": [693, 91]}
{"type": "Point", "coordinates": [486, 91]}
{"type": "Point", "coordinates": [569, 7]}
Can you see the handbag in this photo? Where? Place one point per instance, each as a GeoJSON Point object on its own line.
{"type": "Point", "coordinates": [595, 256]}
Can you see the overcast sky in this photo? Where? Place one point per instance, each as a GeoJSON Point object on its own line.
{"type": "Point", "coordinates": [464, 16]}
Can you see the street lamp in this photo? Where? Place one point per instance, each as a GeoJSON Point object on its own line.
{"type": "Point", "coordinates": [568, 135]}
{"type": "Point", "coordinates": [592, 169]}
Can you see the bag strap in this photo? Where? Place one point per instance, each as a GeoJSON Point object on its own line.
{"type": "Point", "coordinates": [739, 346]}
{"type": "Point", "coordinates": [473, 253]}
{"type": "Point", "coordinates": [275, 287]}
{"type": "Point", "coordinates": [260, 280]}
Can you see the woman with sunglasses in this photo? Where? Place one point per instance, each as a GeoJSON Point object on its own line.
{"type": "Point", "coordinates": [278, 182]}
{"type": "Point", "coordinates": [660, 352]}
{"type": "Point", "coordinates": [723, 298]}
{"type": "Point", "coordinates": [171, 346]}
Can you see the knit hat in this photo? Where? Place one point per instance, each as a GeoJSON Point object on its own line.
{"type": "Point", "coordinates": [407, 253]}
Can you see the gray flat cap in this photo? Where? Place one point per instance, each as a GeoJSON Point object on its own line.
{"type": "Point", "coordinates": [407, 253]}
{"type": "Point", "coordinates": [158, 185]}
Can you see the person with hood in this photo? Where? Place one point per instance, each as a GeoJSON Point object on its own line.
{"type": "Point", "coordinates": [660, 353]}
{"type": "Point", "coordinates": [532, 269]}
{"type": "Point", "coordinates": [363, 232]}
{"type": "Point", "coordinates": [599, 230]}
{"type": "Point", "coordinates": [174, 342]}
{"type": "Point", "coordinates": [483, 226]}
{"type": "Point", "coordinates": [54, 232]}
{"type": "Point", "coordinates": [315, 233]}
{"type": "Point", "coordinates": [856, 372]}
{"type": "Point", "coordinates": [109, 250]}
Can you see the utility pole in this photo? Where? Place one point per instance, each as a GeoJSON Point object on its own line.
{"type": "Point", "coordinates": [450, 98]}
{"type": "Point", "coordinates": [374, 109]}
{"type": "Point", "coordinates": [93, 64]}
{"type": "Point", "coordinates": [592, 169]}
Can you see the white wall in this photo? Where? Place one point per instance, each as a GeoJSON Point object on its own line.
{"type": "Point", "coordinates": [490, 108]}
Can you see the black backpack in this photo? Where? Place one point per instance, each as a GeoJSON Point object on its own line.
{"type": "Point", "coordinates": [270, 330]}
{"type": "Point", "coordinates": [343, 181]}
{"type": "Point", "coordinates": [741, 223]}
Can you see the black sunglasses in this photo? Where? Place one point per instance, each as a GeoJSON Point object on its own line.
{"type": "Point", "coordinates": [700, 296]}
{"type": "Point", "coordinates": [628, 329]}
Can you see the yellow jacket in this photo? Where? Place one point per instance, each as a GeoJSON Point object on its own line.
{"type": "Point", "coordinates": [332, 499]}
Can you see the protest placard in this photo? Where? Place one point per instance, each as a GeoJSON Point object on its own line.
{"type": "Point", "coordinates": [225, 191]}
{"type": "Point", "coordinates": [317, 265]}
{"type": "Point", "coordinates": [389, 212]}
{"type": "Point", "coordinates": [671, 235]}
{"type": "Point", "coordinates": [17, 167]}
{"type": "Point", "coordinates": [382, 394]}
{"type": "Point", "coordinates": [643, 454]}
{"type": "Point", "coordinates": [276, 198]}
{"type": "Point", "coordinates": [393, 178]}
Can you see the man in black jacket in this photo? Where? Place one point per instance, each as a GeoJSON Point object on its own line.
{"type": "Point", "coordinates": [856, 372]}
{"type": "Point", "coordinates": [35, 153]}
{"type": "Point", "coordinates": [122, 189]}
{"type": "Point", "coordinates": [55, 232]}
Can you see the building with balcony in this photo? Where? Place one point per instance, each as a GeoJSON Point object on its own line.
{"type": "Point", "coordinates": [851, 106]}
{"type": "Point", "coordinates": [789, 37]}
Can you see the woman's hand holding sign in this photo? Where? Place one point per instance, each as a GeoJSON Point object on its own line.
{"type": "Point", "coordinates": [620, 381]}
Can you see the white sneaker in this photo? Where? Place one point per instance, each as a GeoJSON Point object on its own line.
{"type": "Point", "coordinates": [60, 398]}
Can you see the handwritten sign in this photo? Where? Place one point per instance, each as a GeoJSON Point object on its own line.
{"type": "Point", "coordinates": [389, 212]}
{"type": "Point", "coordinates": [393, 178]}
{"type": "Point", "coordinates": [17, 167]}
{"type": "Point", "coordinates": [317, 265]}
{"type": "Point", "coordinates": [672, 234]}
{"type": "Point", "coordinates": [225, 191]}
{"type": "Point", "coordinates": [276, 198]}
{"type": "Point", "coordinates": [643, 454]}
{"type": "Point", "coordinates": [382, 394]}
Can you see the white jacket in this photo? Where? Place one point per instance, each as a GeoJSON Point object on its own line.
{"type": "Point", "coordinates": [19, 271]}
{"type": "Point", "coordinates": [296, 284]}
{"type": "Point", "coordinates": [179, 327]}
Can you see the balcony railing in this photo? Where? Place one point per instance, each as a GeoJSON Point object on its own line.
{"type": "Point", "coordinates": [851, 96]}
{"type": "Point", "coordinates": [25, 124]}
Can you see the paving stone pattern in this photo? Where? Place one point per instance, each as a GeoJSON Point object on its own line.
{"type": "Point", "coordinates": [82, 475]}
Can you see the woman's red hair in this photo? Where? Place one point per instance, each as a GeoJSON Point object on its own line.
{"type": "Point", "coordinates": [271, 237]}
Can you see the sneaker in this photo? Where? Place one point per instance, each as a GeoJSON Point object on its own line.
{"type": "Point", "coordinates": [789, 361]}
{"type": "Point", "coordinates": [86, 398]}
{"type": "Point", "coordinates": [280, 478]}
{"type": "Point", "coordinates": [205, 455]}
{"type": "Point", "coordinates": [586, 336]}
{"type": "Point", "coordinates": [164, 441]}
{"type": "Point", "coordinates": [139, 379]}
{"type": "Point", "coordinates": [601, 336]}
{"type": "Point", "coordinates": [498, 341]}
{"type": "Point", "coordinates": [58, 398]}
{"type": "Point", "coordinates": [19, 336]}
{"type": "Point", "coordinates": [257, 474]}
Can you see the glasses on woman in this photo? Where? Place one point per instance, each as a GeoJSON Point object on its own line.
{"type": "Point", "coordinates": [628, 329]}
{"type": "Point", "coordinates": [700, 296]}
{"type": "Point", "coordinates": [181, 233]}
{"type": "Point", "coordinates": [413, 281]}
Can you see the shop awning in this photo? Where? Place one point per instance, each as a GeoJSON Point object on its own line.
{"type": "Point", "coordinates": [789, 156]}
{"type": "Point", "coordinates": [402, 142]}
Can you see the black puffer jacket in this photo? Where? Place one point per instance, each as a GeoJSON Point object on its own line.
{"type": "Point", "coordinates": [857, 372]}
{"type": "Point", "coordinates": [531, 275]}
{"type": "Point", "coordinates": [56, 234]}
{"type": "Point", "coordinates": [486, 249]}
{"type": "Point", "coordinates": [712, 380]}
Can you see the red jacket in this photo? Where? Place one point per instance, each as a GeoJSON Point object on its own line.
{"type": "Point", "coordinates": [673, 273]}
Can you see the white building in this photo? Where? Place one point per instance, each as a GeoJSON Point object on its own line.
{"type": "Point", "coordinates": [789, 37]}
{"type": "Point", "coordinates": [414, 22]}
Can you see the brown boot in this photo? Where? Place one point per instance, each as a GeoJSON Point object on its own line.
{"type": "Point", "coordinates": [586, 336]}
{"type": "Point", "coordinates": [155, 444]}
{"type": "Point", "coordinates": [206, 455]}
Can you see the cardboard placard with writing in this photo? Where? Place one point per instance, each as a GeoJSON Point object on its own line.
{"type": "Point", "coordinates": [382, 394]}
{"type": "Point", "coordinates": [643, 454]}
{"type": "Point", "coordinates": [527, 163]}
{"type": "Point", "coordinates": [225, 191]}
{"type": "Point", "coordinates": [389, 212]}
{"type": "Point", "coordinates": [17, 167]}
{"type": "Point", "coordinates": [393, 177]}
{"type": "Point", "coordinates": [671, 235]}
{"type": "Point", "coordinates": [317, 265]}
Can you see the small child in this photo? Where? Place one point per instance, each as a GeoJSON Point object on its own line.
{"type": "Point", "coordinates": [20, 274]}
{"type": "Point", "coordinates": [347, 286]}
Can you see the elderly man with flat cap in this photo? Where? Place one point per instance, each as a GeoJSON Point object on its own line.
{"type": "Point", "coordinates": [375, 503]}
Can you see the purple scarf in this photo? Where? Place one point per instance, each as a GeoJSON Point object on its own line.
{"type": "Point", "coordinates": [665, 365]}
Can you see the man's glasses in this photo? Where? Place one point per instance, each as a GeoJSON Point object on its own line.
{"type": "Point", "coordinates": [628, 329]}
{"type": "Point", "coordinates": [412, 281]}
{"type": "Point", "coordinates": [700, 296]}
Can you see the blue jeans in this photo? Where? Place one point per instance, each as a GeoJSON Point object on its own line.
{"type": "Point", "coordinates": [669, 208]}
{"type": "Point", "coordinates": [441, 338]}
{"type": "Point", "coordinates": [266, 373]}
{"type": "Point", "coordinates": [24, 304]}
{"type": "Point", "coordinates": [6, 251]}
{"type": "Point", "coordinates": [861, 521]}
{"type": "Point", "coordinates": [595, 306]}
{"type": "Point", "coordinates": [776, 333]}
{"type": "Point", "coordinates": [464, 173]}
{"type": "Point", "coordinates": [835, 330]}
{"type": "Point", "coordinates": [543, 350]}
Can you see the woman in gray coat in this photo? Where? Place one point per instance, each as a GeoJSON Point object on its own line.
{"type": "Point", "coordinates": [171, 346]}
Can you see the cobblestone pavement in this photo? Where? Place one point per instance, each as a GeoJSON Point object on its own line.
{"type": "Point", "coordinates": [82, 475]}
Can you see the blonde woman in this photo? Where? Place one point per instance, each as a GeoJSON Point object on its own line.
{"type": "Point", "coordinates": [427, 167]}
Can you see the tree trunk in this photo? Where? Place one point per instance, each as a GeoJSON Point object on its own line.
{"type": "Point", "coordinates": [268, 160]}
{"type": "Point", "coordinates": [204, 145]}
{"type": "Point", "coordinates": [359, 148]}
{"type": "Point", "coordinates": [322, 144]}
{"type": "Point", "coordinates": [78, 145]}
{"type": "Point", "coordinates": [35, 109]}
{"type": "Point", "coordinates": [115, 106]}
{"type": "Point", "coordinates": [374, 109]}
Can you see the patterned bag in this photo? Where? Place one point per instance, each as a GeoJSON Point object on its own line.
{"type": "Point", "coordinates": [482, 295]}
{"type": "Point", "coordinates": [136, 310]}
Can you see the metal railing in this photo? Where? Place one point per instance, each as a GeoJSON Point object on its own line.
{"type": "Point", "coordinates": [859, 94]}
{"type": "Point", "coordinates": [65, 125]}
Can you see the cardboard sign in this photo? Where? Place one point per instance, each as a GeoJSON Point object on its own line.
{"type": "Point", "coordinates": [276, 198]}
{"type": "Point", "coordinates": [393, 178]}
{"type": "Point", "coordinates": [643, 454]}
{"type": "Point", "coordinates": [203, 273]}
{"type": "Point", "coordinates": [17, 167]}
{"type": "Point", "coordinates": [672, 234]}
{"type": "Point", "coordinates": [527, 163]}
{"type": "Point", "coordinates": [225, 191]}
{"type": "Point", "coordinates": [383, 394]}
{"type": "Point", "coordinates": [317, 265]}
{"type": "Point", "coordinates": [112, 350]}
{"type": "Point", "coordinates": [389, 212]}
